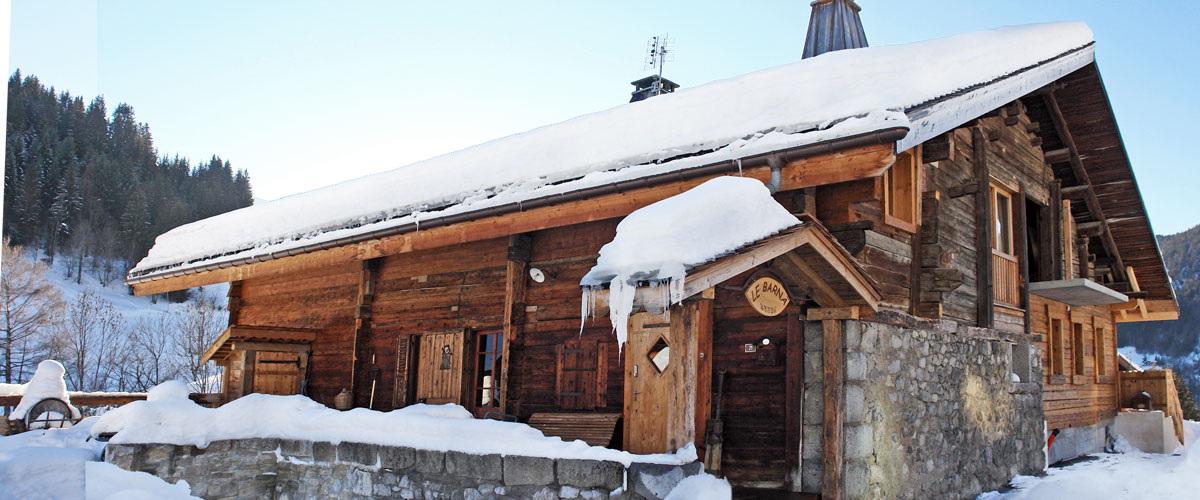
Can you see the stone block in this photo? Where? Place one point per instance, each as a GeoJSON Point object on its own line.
{"type": "Point", "coordinates": [870, 339]}
{"type": "Point", "coordinates": [860, 441]}
{"type": "Point", "coordinates": [813, 366]}
{"type": "Point", "coordinates": [855, 401]}
{"type": "Point", "coordinates": [855, 478]}
{"type": "Point", "coordinates": [813, 336]}
{"type": "Point", "coordinates": [520, 470]}
{"type": "Point", "coordinates": [655, 481]}
{"type": "Point", "coordinates": [257, 444]}
{"type": "Point", "coordinates": [296, 448]}
{"type": "Point", "coordinates": [852, 332]}
{"type": "Point", "coordinates": [812, 442]}
{"type": "Point", "coordinates": [590, 474]}
{"type": "Point", "coordinates": [486, 467]}
{"type": "Point", "coordinates": [814, 406]}
{"type": "Point", "coordinates": [397, 457]}
{"type": "Point", "coordinates": [359, 453]}
{"type": "Point", "coordinates": [856, 367]}
{"type": "Point", "coordinates": [324, 452]}
{"type": "Point", "coordinates": [429, 461]}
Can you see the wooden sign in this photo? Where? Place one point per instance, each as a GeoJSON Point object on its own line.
{"type": "Point", "coordinates": [767, 296]}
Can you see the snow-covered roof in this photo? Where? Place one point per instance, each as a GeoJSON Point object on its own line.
{"type": "Point", "coordinates": [929, 87]}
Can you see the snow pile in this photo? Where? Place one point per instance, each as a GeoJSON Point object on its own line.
{"type": "Point", "coordinates": [701, 487]}
{"type": "Point", "coordinates": [838, 94]}
{"type": "Point", "coordinates": [430, 427]}
{"type": "Point", "coordinates": [1129, 475]}
{"type": "Point", "coordinates": [47, 382]}
{"type": "Point", "coordinates": [57, 463]}
{"type": "Point", "coordinates": [171, 390]}
{"type": "Point", "coordinates": [658, 243]}
{"type": "Point", "coordinates": [12, 389]}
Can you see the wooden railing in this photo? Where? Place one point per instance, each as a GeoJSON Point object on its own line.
{"type": "Point", "coordinates": [1006, 279]}
{"type": "Point", "coordinates": [1160, 384]}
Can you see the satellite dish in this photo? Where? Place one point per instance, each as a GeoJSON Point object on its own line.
{"type": "Point", "coordinates": [537, 275]}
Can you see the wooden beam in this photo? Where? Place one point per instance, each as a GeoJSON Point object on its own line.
{"type": "Point", "coordinates": [271, 346]}
{"type": "Point", "coordinates": [984, 293]}
{"type": "Point", "coordinates": [1021, 228]}
{"type": "Point", "coordinates": [1156, 310]}
{"type": "Point", "coordinates": [794, 401]}
{"type": "Point", "coordinates": [867, 161]}
{"type": "Point", "coordinates": [826, 296]}
{"type": "Point", "coordinates": [1057, 155]}
{"type": "Point", "coordinates": [832, 313]}
{"type": "Point", "coordinates": [832, 384]}
{"type": "Point", "coordinates": [360, 369]}
{"type": "Point", "coordinates": [515, 279]}
{"type": "Point", "coordinates": [1081, 175]}
{"type": "Point", "coordinates": [235, 302]}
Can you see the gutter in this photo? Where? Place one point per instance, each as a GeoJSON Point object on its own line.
{"type": "Point", "coordinates": [884, 136]}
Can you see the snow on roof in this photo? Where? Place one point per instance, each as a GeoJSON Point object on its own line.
{"type": "Point", "coordinates": [661, 241]}
{"type": "Point", "coordinates": [929, 87]}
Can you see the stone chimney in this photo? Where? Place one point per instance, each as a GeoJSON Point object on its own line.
{"type": "Point", "coordinates": [834, 25]}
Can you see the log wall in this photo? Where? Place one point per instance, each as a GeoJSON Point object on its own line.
{"type": "Point", "coordinates": [1071, 400]}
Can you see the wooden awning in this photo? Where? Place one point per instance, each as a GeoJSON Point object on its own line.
{"type": "Point", "coordinates": [806, 254]}
{"type": "Point", "coordinates": [284, 338]}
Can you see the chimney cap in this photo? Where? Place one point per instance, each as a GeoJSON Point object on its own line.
{"type": "Point", "coordinates": [834, 25]}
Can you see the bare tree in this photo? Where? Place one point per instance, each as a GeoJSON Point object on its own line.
{"type": "Point", "coordinates": [198, 327]}
{"type": "Point", "coordinates": [150, 360]}
{"type": "Point", "coordinates": [90, 340]}
{"type": "Point", "coordinates": [31, 304]}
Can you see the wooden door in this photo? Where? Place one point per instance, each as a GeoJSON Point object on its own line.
{"type": "Point", "coordinates": [276, 372]}
{"type": "Point", "coordinates": [651, 378]}
{"type": "Point", "coordinates": [440, 368]}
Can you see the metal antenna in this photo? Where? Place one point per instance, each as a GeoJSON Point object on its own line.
{"type": "Point", "coordinates": [659, 51]}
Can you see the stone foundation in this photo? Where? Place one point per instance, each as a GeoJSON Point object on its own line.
{"type": "Point", "coordinates": [929, 412]}
{"type": "Point", "coordinates": [291, 469]}
{"type": "Point", "coordinates": [1075, 442]}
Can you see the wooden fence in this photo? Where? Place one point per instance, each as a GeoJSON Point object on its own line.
{"type": "Point", "coordinates": [1160, 384]}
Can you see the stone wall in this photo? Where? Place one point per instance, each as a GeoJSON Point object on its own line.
{"type": "Point", "coordinates": [291, 469]}
{"type": "Point", "coordinates": [929, 412]}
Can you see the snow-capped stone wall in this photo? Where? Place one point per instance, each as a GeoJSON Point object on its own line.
{"type": "Point", "coordinates": [284, 468]}
{"type": "Point", "coordinates": [931, 411]}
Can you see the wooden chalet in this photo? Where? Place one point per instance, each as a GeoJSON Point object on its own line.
{"type": "Point", "coordinates": [1003, 205]}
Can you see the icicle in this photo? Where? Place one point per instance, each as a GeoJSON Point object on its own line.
{"type": "Point", "coordinates": [620, 305]}
{"type": "Point", "coordinates": [739, 163]}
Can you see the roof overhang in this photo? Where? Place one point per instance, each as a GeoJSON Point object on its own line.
{"type": "Point", "coordinates": [1077, 292]}
{"type": "Point", "coordinates": [257, 337]}
{"type": "Point", "coordinates": [806, 255]}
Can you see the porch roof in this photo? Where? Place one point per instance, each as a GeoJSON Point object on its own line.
{"type": "Point", "coordinates": [225, 343]}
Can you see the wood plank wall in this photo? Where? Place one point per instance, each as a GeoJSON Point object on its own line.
{"type": "Point", "coordinates": [323, 299]}
{"type": "Point", "coordinates": [1070, 400]}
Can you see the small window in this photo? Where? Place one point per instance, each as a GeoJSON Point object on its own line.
{"type": "Point", "coordinates": [900, 190]}
{"type": "Point", "coordinates": [1099, 348]}
{"type": "Point", "coordinates": [1077, 350]}
{"type": "Point", "coordinates": [1002, 230]}
{"type": "Point", "coordinates": [660, 355]}
{"type": "Point", "coordinates": [1056, 347]}
{"type": "Point", "coordinates": [490, 349]}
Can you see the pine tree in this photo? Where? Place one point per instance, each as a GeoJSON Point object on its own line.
{"type": "Point", "coordinates": [1186, 401]}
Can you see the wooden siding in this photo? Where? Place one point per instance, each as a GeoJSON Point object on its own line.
{"type": "Point", "coordinates": [1071, 400]}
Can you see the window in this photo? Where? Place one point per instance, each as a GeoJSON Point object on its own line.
{"type": "Point", "coordinates": [1056, 347]}
{"type": "Point", "coordinates": [1077, 350]}
{"type": "Point", "coordinates": [490, 349]}
{"type": "Point", "coordinates": [581, 377]}
{"type": "Point", "coordinates": [660, 355]}
{"type": "Point", "coordinates": [900, 191]}
{"type": "Point", "coordinates": [1098, 342]}
{"type": "Point", "coordinates": [1002, 230]}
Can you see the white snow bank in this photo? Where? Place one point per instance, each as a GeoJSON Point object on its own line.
{"type": "Point", "coordinates": [837, 94]}
{"type": "Point", "coordinates": [430, 427]}
{"type": "Point", "coordinates": [171, 390]}
{"type": "Point", "coordinates": [106, 481]}
{"type": "Point", "coordinates": [12, 389]}
{"type": "Point", "coordinates": [47, 382]}
{"type": "Point", "coordinates": [57, 463]}
{"type": "Point", "coordinates": [1122, 476]}
{"type": "Point", "coordinates": [658, 243]}
{"type": "Point", "coordinates": [701, 487]}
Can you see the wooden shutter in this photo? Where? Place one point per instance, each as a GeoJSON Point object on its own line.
{"type": "Point", "coordinates": [276, 372]}
{"type": "Point", "coordinates": [581, 375]}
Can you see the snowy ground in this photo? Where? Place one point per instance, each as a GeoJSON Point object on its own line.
{"type": "Point", "coordinates": [1117, 476]}
{"type": "Point", "coordinates": [64, 464]}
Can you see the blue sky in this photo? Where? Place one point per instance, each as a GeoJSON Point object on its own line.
{"type": "Point", "coordinates": [305, 94]}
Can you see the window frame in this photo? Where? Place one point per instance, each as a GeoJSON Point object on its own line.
{"type": "Point", "coordinates": [996, 190]}
{"type": "Point", "coordinates": [1100, 350]}
{"type": "Point", "coordinates": [1057, 355]}
{"type": "Point", "coordinates": [480, 356]}
{"type": "Point", "coordinates": [1078, 350]}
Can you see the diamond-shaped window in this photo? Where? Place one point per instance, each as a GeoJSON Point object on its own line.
{"type": "Point", "coordinates": [660, 355]}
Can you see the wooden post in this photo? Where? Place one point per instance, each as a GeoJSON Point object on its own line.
{"type": "Point", "coordinates": [1022, 251]}
{"type": "Point", "coordinates": [1056, 240]}
{"type": "Point", "coordinates": [360, 372]}
{"type": "Point", "coordinates": [519, 248]}
{"type": "Point", "coordinates": [832, 384]}
{"type": "Point", "coordinates": [983, 230]}
{"type": "Point", "coordinates": [794, 405]}
{"type": "Point", "coordinates": [235, 301]}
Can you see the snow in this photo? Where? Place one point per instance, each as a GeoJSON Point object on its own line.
{"type": "Point", "coordinates": [926, 86]}
{"type": "Point", "coordinates": [431, 427]}
{"type": "Point", "coordinates": [171, 390]}
{"type": "Point", "coordinates": [12, 389]}
{"type": "Point", "coordinates": [47, 382]}
{"type": "Point", "coordinates": [1128, 475]}
{"type": "Point", "coordinates": [658, 243]}
{"type": "Point", "coordinates": [58, 463]}
{"type": "Point", "coordinates": [701, 487]}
